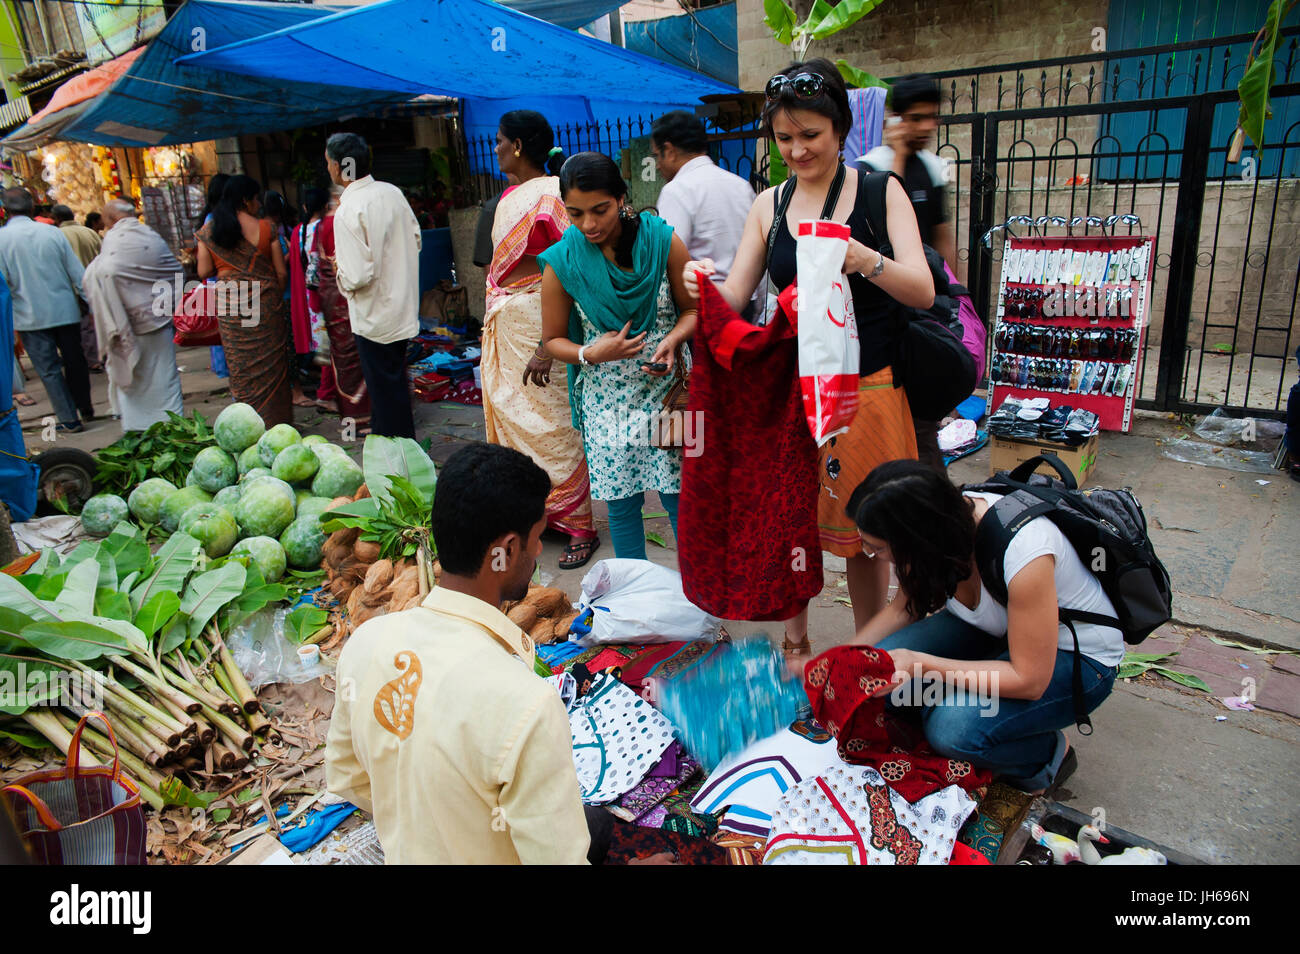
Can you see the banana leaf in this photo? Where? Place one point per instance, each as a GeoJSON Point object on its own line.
{"type": "Point", "coordinates": [172, 565]}
{"type": "Point", "coordinates": [113, 604]}
{"type": "Point", "coordinates": [78, 639]}
{"type": "Point", "coordinates": [206, 594]}
{"type": "Point", "coordinates": [128, 549]}
{"type": "Point", "coordinates": [825, 20]}
{"type": "Point", "coordinates": [157, 612]}
{"type": "Point", "coordinates": [385, 457]}
{"type": "Point", "coordinates": [356, 514]}
{"type": "Point", "coordinates": [781, 19]}
{"type": "Point", "coordinates": [28, 740]}
{"type": "Point", "coordinates": [1257, 79]}
{"type": "Point", "coordinates": [78, 593]}
{"type": "Point", "coordinates": [304, 620]}
{"type": "Point", "coordinates": [15, 596]}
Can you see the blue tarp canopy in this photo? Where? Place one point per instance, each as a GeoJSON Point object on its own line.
{"type": "Point", "coordinates": [567, 13]}
{"type": "Point", "coordinates": [157, 102]}
{"type": "Point", "coordinates": [704, 40]}
{"type": "Point", "coordinates": [492, 57]}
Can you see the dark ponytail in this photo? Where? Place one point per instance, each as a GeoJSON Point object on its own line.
{"type": "Point", "coordinates": [226, 231]}
{"type": "Point", "coordinates": [216, 185]}
{"type": "Point", "coordinates": [314, 201]}
{"type": "Point", "coordinates": [536, 138]}
{"type": "Point", "coordinates": [596, 172]}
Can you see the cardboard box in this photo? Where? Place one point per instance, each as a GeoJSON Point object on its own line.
{"type": "Point", "coordinates": [1081, 460]}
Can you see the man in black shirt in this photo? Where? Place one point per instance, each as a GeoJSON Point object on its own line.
{"type": "Point", "coordinates": [911, 126]}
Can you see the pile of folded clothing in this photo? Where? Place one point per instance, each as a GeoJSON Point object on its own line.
{"type": "Point", "coordinates": [1036, 419]}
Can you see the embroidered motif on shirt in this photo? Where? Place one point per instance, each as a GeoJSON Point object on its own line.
{"type": "Point", "coordinates": [886, 832]}
{"type": "Point", "coordinates": [395, 700]}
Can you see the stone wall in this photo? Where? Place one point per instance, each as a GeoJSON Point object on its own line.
{"type": "Point", "coordinates": [906, 36]}
{"type": "Point", "coordinates": [463, 223]}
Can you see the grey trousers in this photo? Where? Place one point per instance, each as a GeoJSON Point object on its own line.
{"type": "Point", "coordinates": [67, 381]}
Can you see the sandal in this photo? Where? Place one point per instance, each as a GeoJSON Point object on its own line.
{"type": "Point", "coordinates": [801, 648]}
{"type": "Point", "coordinates": [24, 399]}
{"type": "Point", "coordinates": [577, 554]}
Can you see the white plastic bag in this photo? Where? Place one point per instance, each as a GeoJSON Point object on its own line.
{"type": "Point", "coordinates": [636, 601]}
{"type": "Point", "coordinates": [828, 329]}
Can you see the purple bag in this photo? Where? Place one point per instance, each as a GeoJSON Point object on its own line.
{"type": "Point", "coordinates": [973, 333]}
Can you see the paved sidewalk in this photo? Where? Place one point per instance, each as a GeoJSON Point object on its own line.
{"type": "Point", "coordinates": [1173, 764]}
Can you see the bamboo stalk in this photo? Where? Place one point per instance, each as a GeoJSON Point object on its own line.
{"type": "Point", "coordinates": [158, 686]}
{"type": "Point", "coordinates": [230, 729]}
{"type": "Point", "coordinates": [217, 691]}
{"type": "Point", "coordinates": [243, 691]}
{"type": "Point", "coordinates": [129, 737]}
{"type": "Point", "coordinates": [49, 726]}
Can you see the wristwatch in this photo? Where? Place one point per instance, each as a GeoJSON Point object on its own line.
{"type": "Point", "coordinates": [582, 357]}
{"type": "Point", "coordinates": [880, 266]}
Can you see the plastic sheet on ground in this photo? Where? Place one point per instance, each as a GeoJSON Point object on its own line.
{"type": "Point", "coordinates": [1247, 445]}
{"type": "Point", "coordinates": [58, 531]}
{"type": "Point", "coordinates": [265, 654]}
{"type": "Point", "coordinates": [358, 847]}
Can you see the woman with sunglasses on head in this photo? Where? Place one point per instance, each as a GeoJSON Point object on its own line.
{"type": "Point", "coordinates": [807, 114]}
{"type": "Point", "coordinates": [616, 310]}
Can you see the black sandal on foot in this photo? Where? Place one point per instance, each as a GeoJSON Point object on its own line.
{"type": "Point", "coordinates": [577, 554]}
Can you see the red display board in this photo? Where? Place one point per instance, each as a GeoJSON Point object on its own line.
{"type": "Point", "coordinates": [1071, 323]}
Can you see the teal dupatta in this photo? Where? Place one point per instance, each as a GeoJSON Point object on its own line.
{"type": "Point", "coordinates": [610, 297]}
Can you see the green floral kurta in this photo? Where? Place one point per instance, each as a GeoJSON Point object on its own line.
{"type": "Point", "coordinates": [620, 404]}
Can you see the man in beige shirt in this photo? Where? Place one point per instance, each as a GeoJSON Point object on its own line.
{"type": "Point", "coordinates": [377, 256]}
{"type": "Point", "coordinates": [441, 729]}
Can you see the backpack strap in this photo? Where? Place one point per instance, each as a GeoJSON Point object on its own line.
{"type": "Point", "coordinates": [872, 186]}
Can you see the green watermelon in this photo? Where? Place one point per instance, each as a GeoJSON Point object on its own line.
{"type": "Point", "coordinates": [255, 472]}
{"type": "Point", "coordinates": [339, 476]}
{"type": "Point", "coordinates": [102, 513]}
{"type": "Point", "coordinates": [302, 541]}
{"type": "Point", "coordinates": [311, 439]}
{"type": "Point", "coordinates": [249, 458]}
{"type": "Point", "coordinates": [266, 552]}
{"type": "Point", "coordinates": [213, 526]}
{"type": "Point", "coordinates": [214, 469]}
{"type": "Point", "coordinates": [295, 464]}
{"type": "Point", "coordinates": [238, 427]}
{"type": "Point", "coordinates": [227, 497]}
{"type": "Point", "coordinates": [191, 479]}
{"type": "Point", "coordinates": [275, 440]}
{"type": "Point", "coordinates": [145, 502]}
{"type": "Point", "coordinates": [275, 482]}
{"type": "Point", "coordinates": [323, 450]}
{"type": "Point", "coordinates": [312, 506]}
{"type": "Point", "coordinates": [264, 510]}
{"type": "Point", "coordinates": [176, 505]}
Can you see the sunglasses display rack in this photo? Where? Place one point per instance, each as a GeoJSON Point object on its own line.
{"type": "Point", "coordinates": [1071, 323]}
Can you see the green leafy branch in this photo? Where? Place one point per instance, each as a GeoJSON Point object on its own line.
{"type": "Point", "coordinates": [823, 20]}
{"type": "Point", "coordinates": [1257, 80]}
{"type": "Point", "coordinates": [1135, 664]}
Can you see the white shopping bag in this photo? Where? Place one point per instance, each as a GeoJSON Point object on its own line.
{"type": "Point", "coordinates": [828, 329]}
{"type": "Point", "coordinates": [636, 601]}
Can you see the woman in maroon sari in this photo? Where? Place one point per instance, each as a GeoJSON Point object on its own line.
{"type": "Point", "coordinates": [349, 385]}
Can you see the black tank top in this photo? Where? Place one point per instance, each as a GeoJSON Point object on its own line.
{"type": "Point", "coordinates": [873, 307]}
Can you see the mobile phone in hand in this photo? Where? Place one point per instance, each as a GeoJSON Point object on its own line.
{"type": "Point", "coordinates": [657, 366]}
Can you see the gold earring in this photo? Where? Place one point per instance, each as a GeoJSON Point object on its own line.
{"type": "Point", "coordinates": [516, 153]}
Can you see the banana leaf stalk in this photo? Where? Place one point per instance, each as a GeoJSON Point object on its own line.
{"type": "Point", "coordinates": [229, 729]}
{"type": "Point", "coordinates": [129, 735]}
{"type": "Point", "coordinates": [222, 757]}
{"type": "Point", "coordinates": [243, 692]}
{"type": "Point", "coordinates": [158, 686]}
{"type": "Point", "coordinates": [184, 679]}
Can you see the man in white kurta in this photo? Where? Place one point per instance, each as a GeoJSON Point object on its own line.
{"type": "Point", "coordinates": [130, 286]}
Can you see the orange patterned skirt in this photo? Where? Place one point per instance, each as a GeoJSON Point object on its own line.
{"type": "Point", "coordinates": [881, 431]}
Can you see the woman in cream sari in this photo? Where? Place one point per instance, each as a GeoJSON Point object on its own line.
{"type": "Point", "coordinates": [524, 408]}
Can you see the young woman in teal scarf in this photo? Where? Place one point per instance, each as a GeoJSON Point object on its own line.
{"type": "Point", "coordinates": [615, 309]}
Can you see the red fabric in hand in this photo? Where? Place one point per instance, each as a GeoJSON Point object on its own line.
{"type": "Point", "coordinates": [748, 544]}
{"type": "Point", "coordinates": [840, 683]}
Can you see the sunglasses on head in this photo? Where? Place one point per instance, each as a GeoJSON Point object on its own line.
{"type": "Point", "coordinates": [805, 85]}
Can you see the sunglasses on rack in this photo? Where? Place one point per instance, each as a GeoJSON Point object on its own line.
{"type": "Point", "coordinates": [804, 85]}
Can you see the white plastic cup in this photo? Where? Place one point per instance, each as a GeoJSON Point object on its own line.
{"type": "Point", "coordinates": [309, 655]}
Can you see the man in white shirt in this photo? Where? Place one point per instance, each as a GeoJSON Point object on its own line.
{"type": "Point", "coordinates": [705, 205]}
{"type": "Point", "coordinates": [377, 256]}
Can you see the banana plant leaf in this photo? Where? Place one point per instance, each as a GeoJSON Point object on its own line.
{"type": "Point", "coordinates": [1257, 79]}
{"type": "Point", "coordinates": [77, 639]}
{"type": "Point", "coordinates": [128, 549]}
{"type": "Point", "coordinates": [207, 593]}
{"type": "Point", "coordinates": [157, 612]}
{"type": "Point", "coordinates": [779, 16]}
{"type": "Point", "coordinates": [113, 604]}
{"type": "Point", "coordinates": [385, 457]}
{"type": "Point", "coordinates": [172, 565]}
{"type": "Point", "coordinates": [356, 514]}
{"type": "Point", "coordinates": [78, 593]}
{"type": "Point", "coordinates": [15, 596]}
{"type": "Point", "coordinates": [28, 740]}
{"type": "Point", "coordinates": [27, 681]}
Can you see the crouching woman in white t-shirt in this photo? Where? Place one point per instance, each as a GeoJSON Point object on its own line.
{"type": "Point", "coordinates": [992, 683]}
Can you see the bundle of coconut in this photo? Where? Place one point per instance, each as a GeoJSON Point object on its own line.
{"type": "Point", "coordinates": [545, 614]}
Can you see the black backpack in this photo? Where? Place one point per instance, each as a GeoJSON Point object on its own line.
{"type": "Point", "coordinates": [1108, 530]}
{"type": "Point", "coordinates": [930, 361]}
